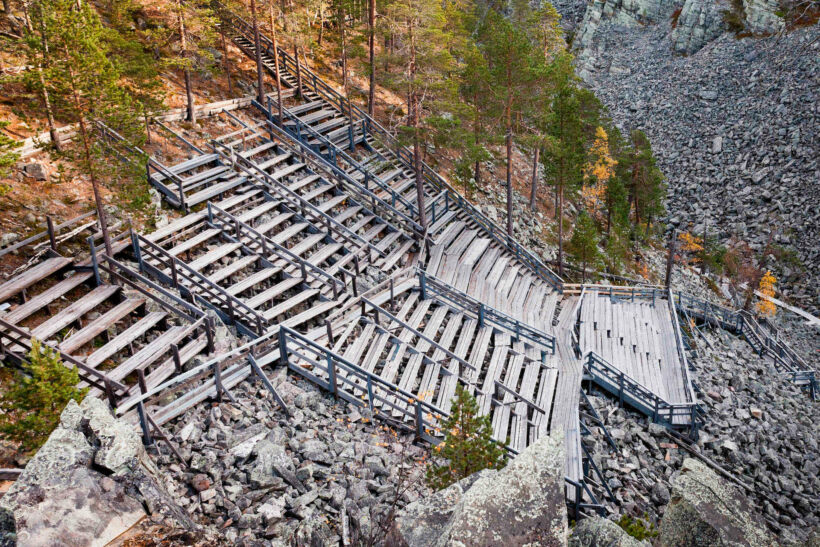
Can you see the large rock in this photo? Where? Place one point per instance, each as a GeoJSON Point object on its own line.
{"type": "Point", "coordinates": [88, 483]}
{"type": "Point", "coordinates": [600, 532]}
{"type": "Point", "coordinates": [761, 16]}
{"type": "Point", "coordinates": [706, 510]}
{"type": "Point", "coordinates": [522, 504]}
{"type": "Point", "coordinates": [697, 24]}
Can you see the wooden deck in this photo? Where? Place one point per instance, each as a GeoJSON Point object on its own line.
{"type": "Point", "coordinates": [638, 338]}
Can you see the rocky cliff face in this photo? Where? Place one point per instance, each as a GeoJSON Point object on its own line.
{"type": "Point", "coordinates": [734, 122]}
{"type": "Point", "coordinates": [89, 483]}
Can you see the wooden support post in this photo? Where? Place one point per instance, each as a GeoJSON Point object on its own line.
{"type": "Point", "coordinates": [210, 333]}
{"type": "Point", "coordinates": [670, 260]}
{"type": "Point", "coordinates": [94, 264]}
{"type": "Point", "coordinates": [355, 287]}
{"type": "Point", "coordinates": [268, 385]}
{"type": "Point", "coordinates": [392, 296]}
{"type": "Point", "coordinates": [177, 360]}
{"type": "Point", "coordinates": [283, 348]}
{"type": "Point", "coordinates": [356, 265]}
{"type": "Point", "coordinates": [51, 237]}
{"type": "Point", "coordinates": [146, 431]}
{"type": "Point", "coordinates": [217, 366]}
{"type": "Point", "coordinates": [423, 284]}
{"type": "Point", "coordinates": [331, 374]}
{"type": "Point", "coordinates": [419, 420]}
{"type": "Point", "coordinates": [109, 393]}
{"type": "Point", "coordinates": [370, 393]}
{"type": "Point", "coordinates": [329, 332]}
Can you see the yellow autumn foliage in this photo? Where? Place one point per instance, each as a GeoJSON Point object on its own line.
{"type": "Point", "coordinates": [597, 172]}
{"type": "Point", "coordinates": [766, 308]}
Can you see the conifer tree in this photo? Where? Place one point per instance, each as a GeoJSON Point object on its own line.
{"type": "Point", "coordinates": [646, 187]}
{"type": "Point", "coordinates": [86, 82]}
{"type": "Point", "coordinates": [564, 152]}
{"type": "Point", "coordinates": [8, 156]}
{"type": "Point", "coordinates": [467, 447]}
{"type": "Point", "coordinates": [583, 246]}
{"type": "Point", "coordinates": [515, 72]}
{"type": "Point", "coordinates": [32, 405]}
{"type": "Point", "coordinates": [422, 44]}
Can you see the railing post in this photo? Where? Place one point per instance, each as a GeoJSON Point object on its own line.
{"type": "Point", "coordinates": [655, 412]}
{"type": "Point", "coordinates": [370, 393]}
{"type": "Point", "coordinates": [283, 348]}
{"type": "Point", "coordinates": [146, 432]}
{"type": "Point", "coordinates": [331, 374]}
{"type": "Point", "coordinates": [423, 284]}
{"type": "Point", "coordinates": [177, 359]}
{"type": "Point", "coordinates": [621, 388]}
{"type": "Point", "coordinates": [217, 366]}
{"type": "Point", "coordinates": [51, 237]}
{"type": "Point", "coordinates": [94, 264]}
{"type": "Point", "coordinates": [209, 333]}
{"type": "Point", "coordinates": [419, 420]}
{"type": "Point", "coordinates": [480, 315]}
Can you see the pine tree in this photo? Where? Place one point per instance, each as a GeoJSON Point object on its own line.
{"type": "Point", "coordinates": [515, 70]}
{"type": "Point", "coordinates": [417, 28]}
{"type": "Point", "coordinates": [646, 187]}
{"type": "Point", "coordinates": [467, 447]}
{"type": "Point", "coordinates": [8, 156]}
{"type": "Point", "coordinates": [565, 151]}
{"type": "Point", "coordinates": [33, 403]}
{"type": "Point", "coordinates": [85, 80]}
{"type": "Point", "coordinates": [583, 246]}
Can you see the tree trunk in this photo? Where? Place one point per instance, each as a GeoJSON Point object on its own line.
{"type": "Point", "coordinates": [413, 111]}
{"type": "Point", "coordinates": [534, 188]}
{"type": "Point", "coordinates": [90, 165]}
{"type": "Point", "coordinates": [276, 63]}
{"type": "Point", "coordinates": [670, 260]}
{"type": "Point", "coordinates": [260, 84]}
{"type": "Point", "coordinates": [225, 62]}
{"type": "Point", "coordinates": [321, 23]}
{"type": "Point", "coordinates": [509, 177]}
{"type": "Point", "coordinates": [560, 214]}
{"type": "Point", "coordinates": [189, 93]}
{"type": "Point", "coordinates": [52, 126]}
{"type": "Point", "coordinates": [298, 71]}
{"type": "Point", "coordinates": [343, 36]}
{"type": "Point", "coordinates": [371, 43]}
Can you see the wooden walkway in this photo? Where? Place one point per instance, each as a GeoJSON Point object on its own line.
{"type": "Point", "coordinates": [638, 338]}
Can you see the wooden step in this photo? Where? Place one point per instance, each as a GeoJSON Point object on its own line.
{"type": "Point", "coordinates": [102, 323]}
{"type": "Point", "coordinates": [273, 292]}
{"type": "Point", "coordinates": [148, 354]}
{"type": "Point", "coordinates": [189, 244]}
{"type": "Point", "coordinates": [251, 280]}
{"type": "Point", "coordinates": [123, 339]}
{"type": "Point", "coordinates": [212, 256]}
{"type": "Point", "coordinates": [32, 275]}
{"type": "Point", "coordinates": [232, 268]}
{"type": "Point", "coordinates": [74, 312]}
{"type": "Point", "coordinates": [291, 302]}
{"type": "Point", "coordinates": [213, 191]}
{"type": "Point", "coordinates": [46, 297]}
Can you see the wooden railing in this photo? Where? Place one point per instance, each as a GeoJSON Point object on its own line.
{"type": "Point", "coordinates": [435, 288]}
{"type": "Point", "coordinates": [331, 166]}
{"type": "Point", "coordinates": [356, 385]}
{"type": "Point", "coordinates": [188, 281]}
{"type": "Point", "coordinates": [640, 397]}
{"type": "Point", "coordinates": [297, 202]}
{"type": "Point", "coordinates": [17, 341]}
{"type": "Point", "coordinates": [228, 223]}
{"type": "Point", "coordinates": [400, 152]}
{"type": "Point", "coordinates": [52, 232]}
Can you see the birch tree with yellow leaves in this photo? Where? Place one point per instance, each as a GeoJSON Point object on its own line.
{"type": "Point", "coordinates": [597, 173]}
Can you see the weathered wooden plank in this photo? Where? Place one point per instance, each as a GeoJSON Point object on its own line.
{"type": "Point", "coordinates": [32, 275]}
{"type": "Point", "coordinates": [102, 323]}
{"type": "Point", "coordinates": [46, 297]}
{"type": "Point", "coordinates": [74, 311]}
{"type": "Point", "coordinates": [123, 339]}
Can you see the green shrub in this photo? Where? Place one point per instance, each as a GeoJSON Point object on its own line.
{"type": "Point", "coordinates": [735, 16]}
{"type": "Point", "coordinates": [467, 447]}
{"type": "Point", "coordinates": [32, 405]}
{"type": "Point", "coordinates": [637, 528]}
